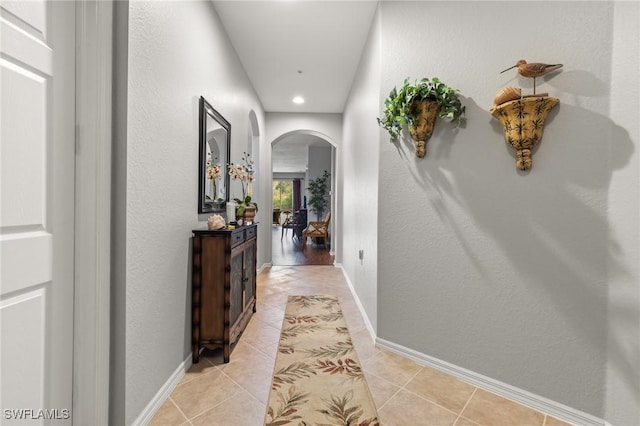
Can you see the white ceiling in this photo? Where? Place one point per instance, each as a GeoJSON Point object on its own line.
{"type": "Point", "coordinates": [277, 39]}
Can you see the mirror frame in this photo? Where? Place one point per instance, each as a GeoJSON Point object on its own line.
{"type": "Point", "coordinates": [204, 206]}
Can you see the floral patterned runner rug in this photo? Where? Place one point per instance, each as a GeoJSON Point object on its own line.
{"type": "Point", "coordinates": [317, 378]}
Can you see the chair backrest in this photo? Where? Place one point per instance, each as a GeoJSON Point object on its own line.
{"type": "Point", "coordinates": [327, 218]}
{"type": "Point", "coordinates": [286, 217]}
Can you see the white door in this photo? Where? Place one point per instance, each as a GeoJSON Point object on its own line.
{"type": "Point", "coordinates": [37, 122]}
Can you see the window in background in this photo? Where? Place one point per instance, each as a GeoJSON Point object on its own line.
{"type": "Point", "coordinates": [283, 194]}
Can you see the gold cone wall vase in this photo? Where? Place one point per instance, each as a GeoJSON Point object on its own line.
{"type": "Point", "coordinates": [424, 115]}
{"type": "Point", "coordinates": [523, 123]}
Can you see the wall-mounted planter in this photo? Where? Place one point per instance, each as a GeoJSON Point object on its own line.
{"type": "Point", "coordinates": [423, 116]}
{"type": "Point", "coordinates": [523, 123]}
{"type": "Point", "coordinates": [418, 106]}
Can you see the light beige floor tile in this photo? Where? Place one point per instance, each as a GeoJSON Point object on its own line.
{"type": "Point", "coordinates": [552, 421]}
{"type": "Point", "coordinates": [391, 367]}
{"type": "Point", "coordinates": [204, 366]}
{"type": "Point", "coordinates": [276, 300]}
{"type": "Point", "coordinates": [441, 388]}
{"type": "Point", "coordinates": [244, 353]}
{"type": "Point", "coordinates": [214, 393]}
{"type": "Point", "coordinates": [381, 390]}
{"type": "Point", "coordinates": [203, 392]}
{"type": "Point", "coordinates": [406, 408]}
{"type": "Point", "coordinates": [269, 314]}
{"type": "Point", "coordinates": [254, 377]}
{"type": "Point", "coordinates": [356, 324]}
{"type": "Point", "coordinates": [270, 350]}
{"type": "Point", "coordinates": [168, 415]}
{"type": "Point", "coordinates": [242, 410]}
{"type": "Point", "coordinates": [487, 408]}
{"type": "Point", "coordinates": [260, 334]}
{"type": "Point", "coordinates": [463, 421]}
{"type": "Point", "coordinates": [364, 344]}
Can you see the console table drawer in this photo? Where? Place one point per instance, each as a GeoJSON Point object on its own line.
{"type": "Point", "coordinates": [250, 233]}
{"type": "Point", "coordinates": [237, 237]}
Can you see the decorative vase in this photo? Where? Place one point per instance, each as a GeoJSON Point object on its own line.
{"type": "Point", "coordinates": [523, 123]}
{"type": "Point", "coordinates": [424, 115]}
{"type": "Point", "coordinates": [231, 211]}
{"type": "Point", "coordinates": [247, 216]}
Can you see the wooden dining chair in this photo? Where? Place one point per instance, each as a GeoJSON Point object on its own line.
{"type": "Point", "coordinates": [317, 229]}
{"type": "Point", "coordinates": [286, 221]}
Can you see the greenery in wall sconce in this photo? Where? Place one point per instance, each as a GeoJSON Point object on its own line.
{"type": "Point", "coordinates": [417, 106]}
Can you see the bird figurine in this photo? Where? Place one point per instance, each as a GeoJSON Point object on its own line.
{"type": "Point", "coordinates": [534, 70]}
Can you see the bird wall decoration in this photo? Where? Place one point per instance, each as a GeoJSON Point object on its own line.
{"type": "Point", "coordinates": [534, 69]}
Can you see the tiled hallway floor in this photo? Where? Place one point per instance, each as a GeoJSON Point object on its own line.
{"type": "Point", "coordinates": [405, 393]}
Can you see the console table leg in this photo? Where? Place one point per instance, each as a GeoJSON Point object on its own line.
{"type": "Point", "coordinates": [226, 351]}
{"type": "Point", "coordinates": [195, 354]}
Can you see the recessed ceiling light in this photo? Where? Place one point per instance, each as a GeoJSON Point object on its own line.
{"type": "Point", "coordinates": [298, 100]}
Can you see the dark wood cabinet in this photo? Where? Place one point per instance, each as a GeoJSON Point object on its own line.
{"type": "Point", "coordinates": [223, 287]}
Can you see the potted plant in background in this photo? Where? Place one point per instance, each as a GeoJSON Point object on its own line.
{"type": "Point", "coordinates": [418, 106]}
{"type": "Point", "coordinates": [319, 189]}
{"type": "Point", "coordinates": [245, 208]}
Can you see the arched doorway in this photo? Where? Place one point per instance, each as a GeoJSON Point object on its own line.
{"type": "Point", "coordinates": [298, 158]}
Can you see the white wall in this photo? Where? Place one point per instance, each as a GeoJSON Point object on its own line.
{"type": "Point", "coordinates": [623, 334]}
{"type": "Point", "coordinates": [281, 123]}
{"type": "Point", "coordinates": [178, 51]}
{"type": "Point", "coordinates": [319, 161]}
{"type": "Point", "coordinates": [361, 157]}
{"type": "Point", "coordinates": [501, 272]}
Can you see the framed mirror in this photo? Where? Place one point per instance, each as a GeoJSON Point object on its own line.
{"type": "Point", "coordinates": [215, 149]}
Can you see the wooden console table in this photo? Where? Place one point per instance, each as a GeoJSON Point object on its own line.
{"type": "Point", "coordinates": [223, 287]}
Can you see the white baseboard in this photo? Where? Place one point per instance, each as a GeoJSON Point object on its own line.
{"type": "Point", "coordinates": [363, 313]}
{"type": "Point", "coordinates": [264, 265]}
{"type": "Point", "coordinates": [544, 405]}
{"type": "Point", "coordinates": [161, 396]}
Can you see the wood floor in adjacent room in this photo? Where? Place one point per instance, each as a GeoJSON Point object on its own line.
{"type": "Point", "coordinates": [405, 393]}
{"type": "Point", "coordinates": [288, 251]}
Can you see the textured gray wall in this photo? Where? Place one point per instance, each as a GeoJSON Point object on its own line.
{"type": "Point", "coordinates": [360, 167]}
{"type": "Point", "coordinates": [623, 336]}
{"type": "Point", "coordinates": [178, 51]}
{"type": "Point", "coordinates": [117, 390]}
{"type": "Point", "coordinates": [501, 272]}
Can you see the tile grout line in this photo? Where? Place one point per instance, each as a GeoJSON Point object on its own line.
{"type": "Point", "coordinates": [412, 377]}
{"type": "Point", "coordinates": [390, 398]}
{"type": "Point", "coordinates": [292, 275]}
{"type": "Point", "coordinates": [175, 404]}
{"type": "Point", "coordinates": [385, 380]}
{"type": "Point", "coordinates": [219, 403]}
{"type": "Point", "coordinates": [241, 387]}
{"type": "Point", "coordinates": [465, 405]}
{"type": "Point", "coordinates": [435, 403]}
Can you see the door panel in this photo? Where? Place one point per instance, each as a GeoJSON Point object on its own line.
{"type": "Point", "coordinates": [235, 296]}
{"type": "Point", "coordinates": [25, 343]}
{"type": "Point", "coordinates": [249, 272]}
{"type": "Point", "coordinates": [37, 122]}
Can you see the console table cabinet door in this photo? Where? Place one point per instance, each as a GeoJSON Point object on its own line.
{"type": "Point", "coordinates": [249, 274]}
{"type": "Point", "coordinates": [236, 292]}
